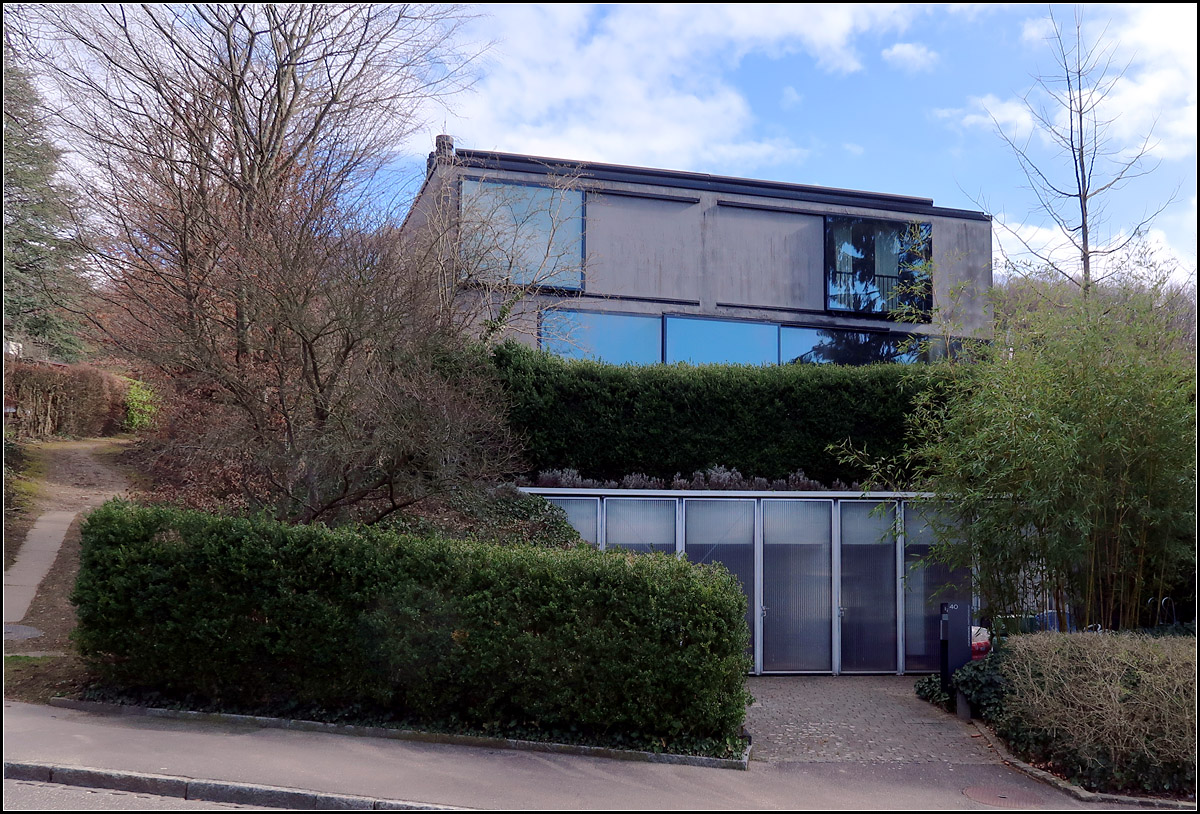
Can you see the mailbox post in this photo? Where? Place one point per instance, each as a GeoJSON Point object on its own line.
{"type": "Point", "coordinates": [956, 647]}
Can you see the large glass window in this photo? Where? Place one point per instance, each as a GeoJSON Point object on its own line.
{"type": "Point", "coordinates": [842, 347]}
{"type": "Point", "coordinates": [638, 339]}
{"type": "Point", "coordinates": [721, 341]}
{"type": "Point", "coordinates": [521, 234]}
{"type": "Point", "coordinates": [583, 514]}
{"type": "Point", "coordinates": [618, 339]}
{"type": "Point", "coordinates": [876, 266]}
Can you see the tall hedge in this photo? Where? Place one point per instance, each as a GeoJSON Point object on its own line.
{"type": "Point", "coordinates": [56, 399]}
{"type": "Point", "coordinates": [252, 614]}
{"type": "Point", "coordinates": [607, 421]}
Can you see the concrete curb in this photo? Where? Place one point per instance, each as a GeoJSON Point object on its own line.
{"type": "Point", "coordinates": [742, 763]}
{"type": "Point", "coordinates": [213, 791]}
{"type": "Point", "coordinates": [1070, 788]}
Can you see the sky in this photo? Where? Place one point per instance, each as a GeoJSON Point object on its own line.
{"type": "Point", "coordinates": [902, 99]}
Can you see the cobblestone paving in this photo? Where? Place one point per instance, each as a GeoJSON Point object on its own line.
{"type": "Point", "coordinates": [868, 719]}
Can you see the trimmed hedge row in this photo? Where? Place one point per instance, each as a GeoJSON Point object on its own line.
{"type": "Point", "coordinates": [55, 399]}
{"type": "Point", "coordinates": [517, 640]}
{"type": "Point", "coordinates": [1112, 711]}
{"type": "Point", "coordinates": [608, 421]}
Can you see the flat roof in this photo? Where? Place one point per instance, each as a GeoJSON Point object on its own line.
{"type": "Point", "coordinates": [484, 159]}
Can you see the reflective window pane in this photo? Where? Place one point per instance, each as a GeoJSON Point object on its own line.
{"type": "Point", "coordinates": [721, 341]}
{"type": "Point", "coordinates": [614, 338]}
{"type": "Point", "coordinates": [876, 266]}
{"type": "Point", "coordinates": [521, 234]}
{"type": "Point", "coordinates": [841, 347]}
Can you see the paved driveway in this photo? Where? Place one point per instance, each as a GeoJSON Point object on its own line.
{"type": "Point", "coordinates": [856, 719]}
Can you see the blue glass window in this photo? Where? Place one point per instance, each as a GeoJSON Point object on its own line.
{"type": "Point", "coordinates": [614, 338]}
{"type": "Point", "coordinates": [875, 266]}
{"type": "Point", "coordinates": [721, 341]}
{"type": "Point", "coordinates": [521, 234]}
{"type": "Point", "coordinates": [842, 347]}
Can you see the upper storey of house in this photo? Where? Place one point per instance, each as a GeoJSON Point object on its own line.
{"type": "Point", "coordinates": [631, 264]}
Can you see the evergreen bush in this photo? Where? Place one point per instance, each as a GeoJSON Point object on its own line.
{"type": "Point", "coordinates": [646, 651]}
{"type": "Point", "coordinates": [608, 421]}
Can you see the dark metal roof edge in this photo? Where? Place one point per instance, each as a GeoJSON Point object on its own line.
{"type": "Point", "coordinates": [712, 183]}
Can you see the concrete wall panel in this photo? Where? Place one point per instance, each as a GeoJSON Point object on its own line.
{"type": "Point", "coordinates": [643, 247]}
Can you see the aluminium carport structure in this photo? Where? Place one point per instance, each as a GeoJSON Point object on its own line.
{"type": "Point", "coordinates": [836, 581]}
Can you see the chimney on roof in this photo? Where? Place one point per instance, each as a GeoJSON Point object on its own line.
{"type": "Point", "coordinates": [443, 152]}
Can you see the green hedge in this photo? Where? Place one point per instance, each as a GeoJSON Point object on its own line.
{"type": "Point", "coordinates": [608, 421]}
{"type": "Point", "coordinates": [518, 640]}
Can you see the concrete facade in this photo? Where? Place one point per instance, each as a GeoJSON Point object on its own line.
{"type": "Point", "coordinates": [658, 242]}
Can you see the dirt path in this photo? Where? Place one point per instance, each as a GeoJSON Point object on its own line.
{"type": "Point", "coordinates": [78, 476]}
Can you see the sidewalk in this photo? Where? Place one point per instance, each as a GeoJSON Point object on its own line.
{"type": "Point", "coordinates": [370, 772]}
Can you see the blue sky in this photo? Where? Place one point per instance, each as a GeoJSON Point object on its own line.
{"type": "Point", "coordinates": [887, 98]}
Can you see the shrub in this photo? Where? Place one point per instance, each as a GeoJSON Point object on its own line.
{"type": "Point", "coordinates": [141, 406]}
{"type": "Point", "coordinates": [1112, 712]}
{"type": "Point", "coordinates": [646, 650]}
{"type": "Point", "coordinates": [983, 684]}
{"type": "Point", "coordinates": [929, 688]}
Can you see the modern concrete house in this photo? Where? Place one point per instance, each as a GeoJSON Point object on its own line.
{"type": "Point", "coordinates": [641, 266]}
{"type": "Point", "coordinates": [638, 265]}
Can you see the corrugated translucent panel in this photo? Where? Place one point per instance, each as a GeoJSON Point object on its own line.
{"type": "Point", "coordinates": [868, 588]}
{"type": "Point", "coordinates": [797, 585]}
{"type": "Point", "coordinates": [723, 531]}
{"type": "Point", "coordinates": [926, 586]}
{"type": "Point", "coordinates": [640, 524]}
{"type": "Point", "coordinates": [581, 513]}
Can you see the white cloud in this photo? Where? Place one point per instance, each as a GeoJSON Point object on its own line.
{"type": "Point", "coordinates": [791, 98]}
{"type": "Point", "coordinates": [1012, 116]}
{"type": "Point", "coordinates": [1152, 67]}
{"type": "Point", "coordinates": [646, 84]}
{"type": "Point", "coordinates": [1024, 243]}
{"type": "Point", "coordinates": [911, 57]}
{"type": "Point", "coordinates": [1155, 95]}
{"type": "Point", "coordinates": [853, 149]}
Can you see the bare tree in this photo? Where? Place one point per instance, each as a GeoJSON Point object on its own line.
{"type": "Point", "coordinates": [233, 157]}
{"type": "Point", "coordinates": [501, 250]}
{"type": "Point", "coordinates": [1070, 109]}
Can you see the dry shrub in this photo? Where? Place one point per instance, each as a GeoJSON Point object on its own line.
{"type": "Point", "coordinates": [54, 399]}
{"type": "Point", "coordinates": [1115, 711]}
